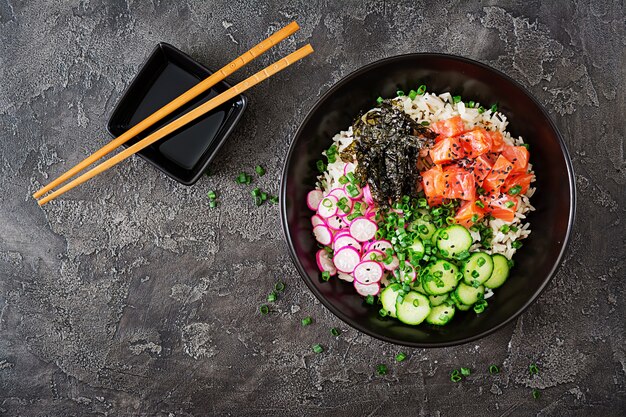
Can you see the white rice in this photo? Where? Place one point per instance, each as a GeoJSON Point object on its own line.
{"type": "Point", "coordinates": [433, 108]}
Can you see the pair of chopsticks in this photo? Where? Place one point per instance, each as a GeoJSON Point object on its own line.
{"type": "Point", "coordinates": [182, 120]}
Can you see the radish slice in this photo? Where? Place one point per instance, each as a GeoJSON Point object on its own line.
{"type": "Point", "coordinates": [366, 246]}
{"type": "Point", "coordinates": [349, 167]}
{"type": "Point", "coordinates": [368, 272]}
{"type": "Point", "coordinates": [362, 229]}
{"type": "Point", "coordinates": [317, 220]}
{"type": "Point", "coordinates": [356, 197]}
{"type": "Point", "coordinates": [370, 214]}
{"type": "Point", "coordinates": [327, 207]}
{"type": "Point", "coordinates": [313, 199]}
{"type": "Point", "coordinates": [346, 259]}
{"type": "Point", "coordinates": [340, 193]}
{"type": "Point", "coordinates": [366, 289]}
{"type": "Point", "coordinates": [373, 255]}
{"type": "Point", "coordinates": [367, 195]}
{"type": "Point", "coordinates": [344, 241]}
{"type": "Point", "coordinates": [323, 234]}
{"type": "Point", "coordinates": [345, 277]}
{"type": "Point", "coordinates": [380, 245]}
{"type": "Point", "coordinates": [395, 263]}
{"type": "Point", "coordinates": [324, 263]}
{"type": "Point", "coordinates": [336, 222]}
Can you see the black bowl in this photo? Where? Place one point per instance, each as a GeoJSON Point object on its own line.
{"type": "Point", "coordinates": [554, 199]}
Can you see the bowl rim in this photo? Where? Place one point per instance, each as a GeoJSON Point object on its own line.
{"type": "Point", "coordinates": [289, 241]}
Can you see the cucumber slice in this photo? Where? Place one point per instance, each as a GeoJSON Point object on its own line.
{"type": "Point", "coordinates": [467, 294]}
{"type": "Point", "coordinates": [413, 309]}
{"type": "Point", "coordinates": [440, 278]}
{"type": "Point", "coordinates": [440, 315]}
{"type": "Point", "coordinates": [417, 286]}
{"type": "Point", "coordinates": [388, 298]}
{"type": "Point", "coordinates": [477, 269]}
{"type": "Point", "coordinates": [418, 248]}
{"type": "Point", "coordinates": [453, 240]}
{"type": "Point", "coordinates": [436, 300]}
{"type": "Point", "coordinates": [459, 305]}
{"type": "Point", "coordinates": [423, 228]}
{"type": "Point", "coordinates": [500, 271]}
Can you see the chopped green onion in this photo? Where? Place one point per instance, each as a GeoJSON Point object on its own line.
{"type": "Point", "coordinates": [505, 228]}
{"type": "Point", "coordinates": [400, 93]}
{"type": "Point", "coordinates": [525, 145]}
{"type": "Point", "coordinates": [480, 191]}
{"type": "Point", "coordinates": [243, 178]}
{"type": "Point", "coordinates": [465, 371]}
{"type": "Point", "coordinates": [456, 99]}
{"type": "Point", "coordinates": [325, 275]}
{"type": "Point", "coordinates": [471, 104]}
{"type": "Point", "coordinates": [317, 348]}
{"type": "Point", "coordinates": [335, 331]}
{"type": "Point", "coordinates": [514, 229]}
{"type": "Point", "coordinates": [369, 299]}
{"type": "Point", "coordinates": [455, 376]}
{"type": "Point", "coordinates": [481, 110]}
{"type": "Point", "coordinates": [412, 94]}
{"type": "Point", "coordinates": [515, 189]}
{"type": "Point", "coordinates": [383, 312]}
{"type": "Point", "coordinates": [481, 261]}
{"type": "Point", "coordinates": [271, 297]}
{"type": "Point", "coordinates": [400, 357]}
{"type": "Point", "coordinates": [425, 123]}
{"type": "Point", "coordinates": [474, 218]}
{"type": "Point", "coordinates": [211, 194]}
{"type": "Point", "coordinates": [381, 369]}
{"type": "Point", "coordinates": [509, 204]}
{"type": "Point", "coordinates": [493, 369]}
{"type": "Point", "coordinates": [494, 108]}
{"type": "Point", "coordinates": [533, 369]}
{"type": "Point", "coordinates": [279, 286]}
{"type": "Point", "coordinates": [517, 244]}
{"type": "Point", "coordinates": [307, 320]}
{"type": "Point", "coordinates": [379, 100]}
{"type": "Point", "coordinates": [274, 199]}
{"type": "Point", "coordinates": [264, 309]}
{"type": "Point", "coordinates": [321, 166]}
{"type": "Point", "coordinates": [536, 394]}
{"type": "Point", "coordinates": [259, 170]}
{"type": "Point", "coordinates": [421, 89]}
{"type": "Point", "coordinates": [343, 180]}
{"type": "Point", "coordinates": [212, 204]}
{"type": "Point", "coordinates": [480, 306]}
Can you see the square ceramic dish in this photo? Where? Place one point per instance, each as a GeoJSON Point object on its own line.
{"type": "Point", "coordinates": [185, 154]}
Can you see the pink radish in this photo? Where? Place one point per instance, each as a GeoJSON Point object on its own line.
{"type": "Point", "coordinates": [324, 263]}
{"type": "Point", "coordinates": [373, 255]}
{"type": "Point", "coordinates": [344, 241]}
{"type": "Point", "coordinates": [323, 234]}
{"type": "Point", "coordinates": [345, 277]}
{"type": "Point", "coordinates": [381, 245]}
{"type": "Point", "coordinates": [350, 167]}
{"type": "Point", "coordinates": [370, 214]}
{"type": "Point", "coordinates": [313, 199]}
{"type": "Point", "coordinates": [346, 259]}
{"type": "Point", "coordinates": [336, 222]}
{"type": "Point", "coordinates": [368, 272]}
{"type": "Point", "coordinates": [395, 263]}
{"type": "Point", "coordinates": [317, 220]}
{"type": "Point", "coordinates": [367, 195]}
{"type": "Point", "coordinates": [340, 193]}
{"type": "Point", "coordinates": [363, 229]}
{"type": "Point", "coordinates": [366, 289]}
{"type": "Point", "coordinates": [327, 207]}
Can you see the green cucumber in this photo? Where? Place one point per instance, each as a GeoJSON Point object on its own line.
{"type": "Point", "coordinates": [388, 298]}
{"type": "Point", "coordinates": [467, 294]}
{"type": "Point", "coordinates": [500, 271]}
{"type": "Point", "coordinates": [423, 228]}
{"type": "Point", "coordinates": [477, 269]}
{"type": "Point", "coordinates": [436, 300]}
{"type": "Point", "coordinates": [440, 278]}
{"type": "Point", "coordinates": [453, 240]}
{"type": "Point", "coordinates": [440, 315]}
{"type": "Point", "coordinates": [413, 309]}
{"type": "Point", "coordinates": [418, 248]}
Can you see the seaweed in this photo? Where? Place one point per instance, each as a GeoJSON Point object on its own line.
{"type": "Point", "coordinates": [387, 147]}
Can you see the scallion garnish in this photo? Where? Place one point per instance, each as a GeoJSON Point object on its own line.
{"type": "Point", "coordinates": [325, 275]}
{"type": "Point", "coordinates": [211, 194]}
{"type": "Point", "coordinates": [259, 170]}
{"type": "Point", "coordinates": [466, 371]}
{"type": "Point", "coordinates": [400, 357]}
{"type": "Point", "coordinates": [279, 286]}
{"type": "Point", "coordinates": [264, 309]}
{"type": "Point", "coordinates": [335, 331]}
{"type": "Point", "coordinates": [536, 394]}
{"type": "Point", "coordinates": [509, 204]}
{"type": "Point", "coordinates": [412, 94]}
{"type": "Point", "coordinates": [212, 204]}
{"type": "Point", "coordinates": [421, 89]}
{"type": "Point", "coordinates": [493, 369]}
{"type": "Point", "coordinates": [307, 320]}
{"type": "Point", "coordinates": [481, 110]}
{"type": "Point", "coordinates": [400, 93]}
{"type": "Point", "coordinates": [471, 104]}
{"type": "Point", "coordinates": [271, 297]}
{"type": "Point", "coordinates": [494, 108]}
{"type": "Point", "coordinates": [243, 178]}
{"type": "Point", "coordinates": [533, 369]}
{"type": "Point", "coordinates": [455, 376]}
{"type": "Point", "coordinates": [369, 299]}
{"type": "Point", "coordinates": [379, 100]}
{"type": "Point", "coordinates": [381, 369]}
{"type": "Point", "coordinates": [321, 166]}
{"type": "Point", "coordinates": [317, 348]}
{"type": "Point", "coordinates": [517, 244]}
{"type": "Point", "coordinates": [515, 190]}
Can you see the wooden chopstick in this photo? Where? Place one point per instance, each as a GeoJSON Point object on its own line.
{"type": "Point", "coordinates": [174, 105]}
{"type": "Point", "coordinates": [184, 119]}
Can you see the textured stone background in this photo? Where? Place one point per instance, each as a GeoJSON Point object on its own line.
{"type": "Point", "coordinates": [129, 296]}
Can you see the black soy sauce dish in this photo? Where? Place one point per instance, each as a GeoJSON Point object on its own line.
{"type": "Point", "coordinates": [185, 154]}
{"type": "Point", "coordinates": [554, 199]}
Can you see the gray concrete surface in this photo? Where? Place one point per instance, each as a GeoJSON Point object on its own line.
{"type": "Point", "coordinates": [129, 296]}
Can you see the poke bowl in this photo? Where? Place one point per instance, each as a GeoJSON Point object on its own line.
{"type": "Point", "coordinates": [427, 199]}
